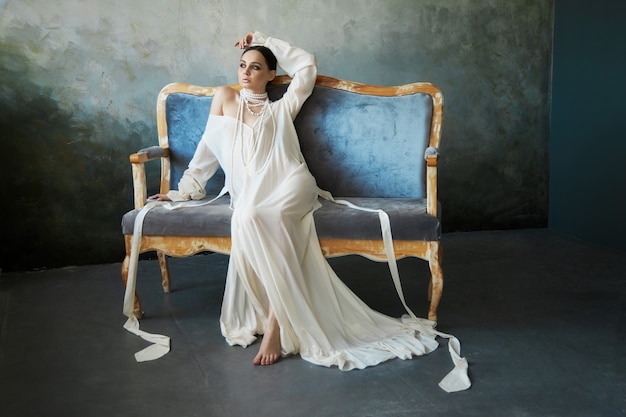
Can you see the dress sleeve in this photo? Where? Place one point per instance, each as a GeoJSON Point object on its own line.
{"type": "Point", "coordinates": [201, 168]}
{"type": "Point", "coordinates": [298, 64]}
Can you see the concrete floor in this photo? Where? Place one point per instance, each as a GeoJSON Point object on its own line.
{"type": "Point", "coordinates": [541, 319]}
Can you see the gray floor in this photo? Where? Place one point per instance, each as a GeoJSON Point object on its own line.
{"type": "Point", "coordinates": [541, 319]}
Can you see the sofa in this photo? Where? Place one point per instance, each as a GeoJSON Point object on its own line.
{"type": "Point", "coordinates": [374, 146]}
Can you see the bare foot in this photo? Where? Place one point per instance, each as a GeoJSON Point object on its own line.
{"type": "Point", "coordinates": [269, 352]}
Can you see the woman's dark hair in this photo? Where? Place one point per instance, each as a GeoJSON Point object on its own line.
{"type": "Point", "coordinates": [269, 56]}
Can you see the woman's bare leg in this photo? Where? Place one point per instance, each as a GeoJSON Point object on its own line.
{"type": "Point", "coordinates": [270, 349]}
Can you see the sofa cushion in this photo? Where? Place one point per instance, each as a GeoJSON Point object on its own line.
{"type": "Point", "coordinates": [408, 217]}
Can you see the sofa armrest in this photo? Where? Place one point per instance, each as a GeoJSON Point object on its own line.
{"type": "Point", "coordinates": [431, 155]}
{"type": "Point", "coordinates": [148, 154]}
{"type": "Point", "coordinates": [138, 160]}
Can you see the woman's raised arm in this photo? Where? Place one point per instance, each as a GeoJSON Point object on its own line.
{"type": "Point", "coordinates": [299, 64]}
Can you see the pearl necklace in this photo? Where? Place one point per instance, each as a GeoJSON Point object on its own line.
{"type": "Point", "coordinates": [258, 134]}
{"type": "Point", "coordinates": [254, 100]}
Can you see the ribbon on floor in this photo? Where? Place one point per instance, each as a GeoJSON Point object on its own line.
{"type": "Point", "coordinates": [455, 380]}
{"type": "Point", "coordinates": [458, 378]}
{"type": "Point", "coordinates": [160, 343]}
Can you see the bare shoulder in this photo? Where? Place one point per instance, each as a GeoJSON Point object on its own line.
{"type": "Point", "coordinates": [223, 100]}
{"type": "Point", "coordinates": [225, 92]}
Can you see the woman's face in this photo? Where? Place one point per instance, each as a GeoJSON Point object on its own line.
{"type": "Point", "coordinates": [254, 73]}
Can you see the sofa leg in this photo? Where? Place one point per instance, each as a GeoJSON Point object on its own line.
{"type": "Point", "coordinates": [430, 290]}
{"type": "Point", "coordinates": [165, 271]}
{"type": "Point", "coordinates": [435, 287]}
{"type": "Point", "coordinates": [137, 304]}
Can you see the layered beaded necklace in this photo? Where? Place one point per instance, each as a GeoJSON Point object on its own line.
{"type": "Point", "coordinates": [251, 100]}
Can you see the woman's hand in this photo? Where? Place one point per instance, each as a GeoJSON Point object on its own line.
{"type": "Point", "coordinates": [159, 197]}
{"type": "Point", "coordinates": [244, 42]}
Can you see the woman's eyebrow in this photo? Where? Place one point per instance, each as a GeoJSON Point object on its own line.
{"type": "Point", "coordinates": [253, 62]}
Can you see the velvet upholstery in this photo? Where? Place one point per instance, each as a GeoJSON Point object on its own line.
{"type": "Point", "coordinates": [409, 220]}
{"type": "Point", "coordinates": [355, 145]}
{"type": "Point", "coordinates": [186, 116]}
{"type": "Point", "coordinates": [366, 146]}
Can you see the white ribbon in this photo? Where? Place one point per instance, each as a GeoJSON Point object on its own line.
{"type": "Point", "coordinates": [455, 380]}
{"type": "Point", "coordinates": [160, 343]}
{"type": "Point", "coordinates": [458, 378]}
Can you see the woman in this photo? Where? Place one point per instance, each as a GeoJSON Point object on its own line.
{"type": "Point", "coordinates": [279, 284]}
{"type": "Point", "coordinates": [270, 186]}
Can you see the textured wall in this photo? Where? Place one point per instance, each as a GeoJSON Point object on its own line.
{"type": "Point", "coordinates": [587, 169]}
{"type": "Point", "coordinates": [79, 81]}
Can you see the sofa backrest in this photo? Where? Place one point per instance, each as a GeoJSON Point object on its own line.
{"type": "Point", "coordinates": [358, 140]}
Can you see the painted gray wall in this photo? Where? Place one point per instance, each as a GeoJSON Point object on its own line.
{"type": "Point", "coordinates": [79, 82]}
{"type": "Point", "coordinates": [587, 148]}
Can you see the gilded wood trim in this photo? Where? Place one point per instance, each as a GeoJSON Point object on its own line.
{"type": "Point", "coordinates": [436, 279]}
{"type": "Point", "coordinates": [373, 249]}
{"type": "Point", "coordinates": [322, 80]}
{"type": "Point", "coordinates": [181, 246]}
{"type": "Point", "coordinates": [188, 245]}
{"type": "Point", "coordinates": [165, 271]}
{"type": "Point", "coordinates": [140, 192]}
{"type": "Point", "coordinates": [431, 190]}
{"type": "Point", "coordinates": [139, 158]}
{"type": "Point", "coordinates": [165, 175]}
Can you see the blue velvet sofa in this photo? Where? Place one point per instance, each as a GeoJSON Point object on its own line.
{"type": "Point", "coordinates": [373, 146]}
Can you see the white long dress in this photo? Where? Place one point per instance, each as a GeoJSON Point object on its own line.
{"type": "Point", "coordinates": [275, 255]}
